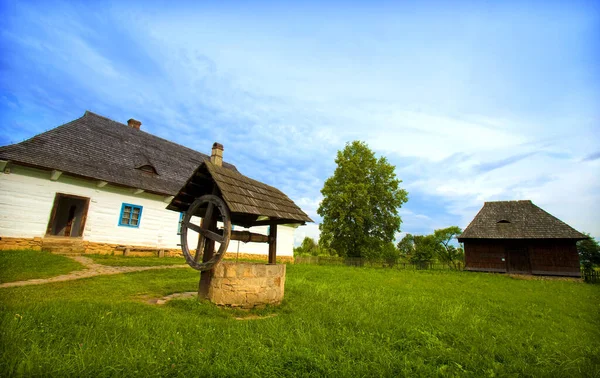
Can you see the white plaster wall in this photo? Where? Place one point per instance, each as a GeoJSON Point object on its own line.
{"type": "Point", "coordinates": [27, 196]}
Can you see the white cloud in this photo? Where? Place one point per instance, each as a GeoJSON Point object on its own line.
{"type": "Point", "coordinates": [284, 104]}
{"type": "Point", "coordinates": [310, 230]}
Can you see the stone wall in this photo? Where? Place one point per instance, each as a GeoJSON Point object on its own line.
{"type": "Point", "coordinates": [20, 243]}
{"type": "Point", "coordinates": [89, 247]}
{"type": "Point", "coordinates": [241, 256]}
{"type": "Point", "coordinates": [247, 285]}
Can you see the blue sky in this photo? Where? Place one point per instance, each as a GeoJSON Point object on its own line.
{"type": "Point", "coordinates": [473, 101]}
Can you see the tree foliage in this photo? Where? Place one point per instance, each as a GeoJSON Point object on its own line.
{"type": "Point", "coordinates": [449, 254]}
{"type": "Point", "coordinates": [308, 247]}
{"type": "Point", "coordinates": [390, 255]}
{"type": "Point", "coordinates": [406, 246]}
{"type": "Point", "coordinates": [360, 203]}
{"type": "Point", "coordinates": [423, 249]}
{"type": "Point", "coordinates": [589, 253]}
{"type": "Point", "coordinates": [427, 248]}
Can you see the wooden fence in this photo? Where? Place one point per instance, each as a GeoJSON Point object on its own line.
{"type": "Point", "coordinates": [591, 276]}
{"type": "Point", "coordinates": [360, 262]}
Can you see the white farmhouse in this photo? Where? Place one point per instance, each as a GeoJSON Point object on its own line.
{"type": "Point", "coordinates": [94, 185]}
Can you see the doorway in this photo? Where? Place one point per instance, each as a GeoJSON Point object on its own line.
{"type": "Point", "coordinates": [68, 215]}
{"type": "Point", "coordinates": [518, 259]}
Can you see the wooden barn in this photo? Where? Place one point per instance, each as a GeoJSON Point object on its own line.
{"type": "Point", "coordinates": [519, 237]}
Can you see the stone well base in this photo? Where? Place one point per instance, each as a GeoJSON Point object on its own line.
{"type": "Point", "coordinates": [247, 285]}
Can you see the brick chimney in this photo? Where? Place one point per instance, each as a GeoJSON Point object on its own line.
{"type": "Point", "coordinates": [217, 154]}
{"type": "Point", "coordinates": [134, 123]}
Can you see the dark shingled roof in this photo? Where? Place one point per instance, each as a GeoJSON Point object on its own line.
{"type": "Point", "coordinates": [99, 148]}
{"type": "Point", "coordinates": [249, 200]}
{"type": "Point", "coordinates": [517, 220]}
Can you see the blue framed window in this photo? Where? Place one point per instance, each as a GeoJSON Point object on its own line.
{"type": "Point", "coordinates": [180, 223]}
{"type": "Point", "coordinates": [131, 215]}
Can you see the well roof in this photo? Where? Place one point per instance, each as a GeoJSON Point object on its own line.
{"type": "Point", "coordinates": [517, 220]}
{"type": "Point", "coordinates": [99, 148]}
{"type": "Point", "coordinates": [249, 201]}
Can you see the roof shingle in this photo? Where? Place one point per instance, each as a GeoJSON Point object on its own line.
{"type": "Point", "coordinates": [99, 148]}
{"type": "Point", "coordinates": [247, 199]}
{"type": "Point", "coordinates": [517, 220]}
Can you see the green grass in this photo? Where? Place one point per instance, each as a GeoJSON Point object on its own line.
{"type": "Point", "coordinates": [26, 264]}
{"type": "Point", "coordinates": [335, 321]}
{"type": "Point", "coordinates": [136, 260]}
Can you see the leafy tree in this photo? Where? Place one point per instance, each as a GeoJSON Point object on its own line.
{"type": "Point", "coordinates": [449, 254]}
{"type": "Point", "coordinates": [308, 247]}
{"type": "Point", "coordinates": [427, 247]}
{"type": "Point", "coordinates": [589, 252]}
{"type": "Point", "coordinates": [390, 255]}
{"type": "Point", "coordinates": [406, 246]}
{"type": "Point", "coordinates": [360, 203]}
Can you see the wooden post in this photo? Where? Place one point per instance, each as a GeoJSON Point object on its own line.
{"type": "Point", "coordinates": [273, 244]}
{"type": "Point", "coordinates": [209, 250]}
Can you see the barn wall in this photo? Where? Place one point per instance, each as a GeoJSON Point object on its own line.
{"type": "Point", "coordinates": [27, 196]}
{"type": "Point", "coordinates": [558, 257]}
{"type": "Point", "coordinates": [547, 257]}
{"type": "Point", "coordinates": [482, 255]}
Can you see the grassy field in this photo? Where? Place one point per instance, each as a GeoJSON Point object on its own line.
{"type": "Point", "coordinates": [26, 265]}
{"type": "Point", "coordinates": [335, 321]}
{"type": "Point", "coordinates": [136, 260]}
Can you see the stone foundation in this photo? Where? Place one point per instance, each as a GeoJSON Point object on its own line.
{"type": "Point", "coordinates": [241, 256]}
{"type": "Point", "coordinates": [20, 243]}
{"type": "Point", "coordinates": [247, 285]}
{"type": "Point", "coordinates": [109, 249]}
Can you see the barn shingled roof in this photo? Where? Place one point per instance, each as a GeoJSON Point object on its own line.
{"type": "Point", "coordinates": [99, 148]}
{"type": "Point", "coordinates": [517, 220]}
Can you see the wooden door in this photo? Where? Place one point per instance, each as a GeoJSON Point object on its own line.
{"type": "Point", "coordinates": [70, 220]}
{"type": "Point", "coordinates": [518, 259]}
{"type": "Point", "coordinates": [68, 215]}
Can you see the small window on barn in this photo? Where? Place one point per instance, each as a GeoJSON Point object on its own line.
{"type": "Point", "coordinates": [503, 221]}
{"type": "Point", "coordinates": [148, 169]}
{"type": "Point", "coordinates": [131, 215]}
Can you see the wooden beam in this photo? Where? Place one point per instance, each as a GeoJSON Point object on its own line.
{"type": "Point", "coordinates": [182, 203]}
{"type": "Point", "coordinates": [138, 191]}
{"type": "Point", "coordinates": [273, 244]}
{"type": "Point", "coordinates": [182, 193]}
{"type": "Point", "coordinates": [208, 222]}
{"type": "Point", "coordinates": [209, 250]}
{"type": "Point", "coordinates": [277, 221]}
{"type": "Point", "coordinates": [247, 236]}
{"type": "Point", "coordinates": [55, 175]}
{"type": "Point", "coordinates": [101, 184]}
{"type": "Point", "coordinates": [168, 199]}
{"type": "Point", "coordinates": [193, 184]}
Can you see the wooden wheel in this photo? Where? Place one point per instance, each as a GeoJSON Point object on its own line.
{"type": "Point", "coordinates": [210, 201]}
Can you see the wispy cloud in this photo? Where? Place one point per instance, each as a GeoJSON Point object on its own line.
{"type": "Point", "coordinates": [592, 157]}
{"type": "Point", "coordinates": [502, 106]}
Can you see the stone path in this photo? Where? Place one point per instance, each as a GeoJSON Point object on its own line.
{"type": "Point", "coordinates": [91, 269]}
